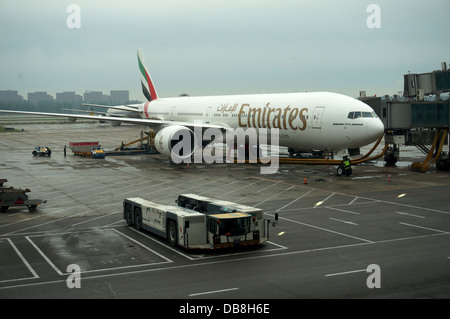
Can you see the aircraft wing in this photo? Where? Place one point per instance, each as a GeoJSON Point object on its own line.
{"type": "Point", "coordinates": [128, 108]}
{"type": "Point", "coordinates": [85, 111]}
{"type": "Point", "coordinates": [140, 121]}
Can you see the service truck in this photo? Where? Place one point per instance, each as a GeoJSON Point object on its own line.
{"type": "Point", "coordinates": [10, 197]}
{"type": "Point", "coordinates": [217, 225]}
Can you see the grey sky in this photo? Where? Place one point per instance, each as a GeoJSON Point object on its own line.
{"type": "Point", "coordinates": [210, 47]}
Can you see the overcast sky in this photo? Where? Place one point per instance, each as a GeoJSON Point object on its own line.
{"type": "Point", "coordinates": [212, 47]}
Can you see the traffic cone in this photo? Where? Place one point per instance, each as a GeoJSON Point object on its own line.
{"type": "Point", "coordinates": [389, 178]}
{"type": "Point", "coordinates": [304, 181]}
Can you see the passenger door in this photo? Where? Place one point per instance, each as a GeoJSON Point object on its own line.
{"type": "Point", "coordinates": [317, 117]}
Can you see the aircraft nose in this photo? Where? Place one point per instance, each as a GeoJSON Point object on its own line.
{"type": "Point", "coordinates": [375, 129]}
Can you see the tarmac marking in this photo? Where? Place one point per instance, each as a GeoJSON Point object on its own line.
{"type": "Point", "coordinates": [44, 256]}
{"type": "Point", "coordinates": [59, 272]}
{"type": "Point", "coordinates": [142, 245]}
{"type": "Point", "coordinates": [218, 262]}
{"type": "Point", "coordinates": [236, 189]}
{"type": "Point", "coordinates": [327, 230]}
{"type": "Point", "coordinates": [89, 220]}
{"type": "Point", "coordinates": [26, 263]}
{"type": "Point", "coordinates": [342, 210]}
{"type": "Point", "coordinates": [346, 272]}
{"type": "Point", "coordinates": [436, 230]}
{"type": "Point", "coordinates": [323, 201]}
{"type": "Point", "coordinates": [277, 194]}
{"type": "Point", "coordinates": [407, 214]}
{"type": "Point", "coordinates": [216, 181]}
{"type": "Point", "coordinates": [162, 244]}
{"type": "Point", "coordinates": [298, 198]}
{"type": "Point", "coordinates": [212, 292]}
{"type": "Point", "coordinates": [343, 221]}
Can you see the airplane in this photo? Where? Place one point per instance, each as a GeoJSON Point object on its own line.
{"type": "Point", "coordinates": [308, 122]}
{"type": "Point", "coordinates": [130, 110]}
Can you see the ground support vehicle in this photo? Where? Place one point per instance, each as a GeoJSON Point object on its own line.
{"type": "Point", "coordinates": [83, 149]}
{"type": "Point", "coordinates": [10, 197]}
{"type": "Point", "coordinates": [193, 229]}
{"type": "Point", "coordinates": [42, 151]}
{"type": "Point", "coordinates": [98, 153]}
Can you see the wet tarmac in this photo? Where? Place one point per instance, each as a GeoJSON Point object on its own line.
{"type": "Point", "coordinates": [331, 229]}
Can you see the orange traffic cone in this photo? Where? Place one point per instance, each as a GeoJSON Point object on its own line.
{"type": "Point", "coordinates": [304, 181]}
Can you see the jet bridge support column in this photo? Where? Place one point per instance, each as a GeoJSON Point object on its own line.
{"type": "Point", "coordinates": [434, 153]}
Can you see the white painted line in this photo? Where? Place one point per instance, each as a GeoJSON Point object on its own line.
{"type": "Point", "coordinates": [295, 200]}
{"type": "Point", "coordinates": [278, 245]}
{"type": "Point", "coordinates": [346, 272]}
{"type": "Point", "coordinates": [27, 264]}
{"type": "Point", "coordinates": [327, 230]}
{"type": "Point", "coordinates": [407, 214]}
{"type": "Point", "coordinates": [328, 197]}
{"type": "Point", "coordinates": [323, 201]}
{"type": "Point", "coordinates": [276, 195]}
{"type": "Point", "coordinates": [44, 256]}
{"type": "Point", "coordinates": [436, 230]}
{"type": "Point", "coordinates": [89, 220]}
{"type": "Point", "coordinates": [142, 245]}
{"type": "Point", "coordinates": [212, 292]}
{"type": "Point", "coordinates": [162, 244]}
{"type": "Point", "coordinates": [194, 265]}
{"type": "Point", "coordinates": [343, 221]}
{"type": "Point", "coordinates": [354, 199]}
{"type": "Point", "coordinates": [342, 210]}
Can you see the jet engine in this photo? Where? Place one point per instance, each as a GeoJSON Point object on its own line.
{"type": "Point", "coordinates": [176, 141]}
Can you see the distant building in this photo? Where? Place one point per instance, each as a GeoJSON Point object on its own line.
{"type": "Point", "coordinates": [95, 97]}
{"type": "Point", "coordinates": [119, 97]}
{"type": "Point", "coordinates": [10, 96]}
{"type": "Point", "coordinates": [69, 98]}
{"type": "Point", "coordinates": [38, 97]}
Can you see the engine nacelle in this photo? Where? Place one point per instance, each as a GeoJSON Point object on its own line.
{"type": "Point", "coordinates": [176, 141]}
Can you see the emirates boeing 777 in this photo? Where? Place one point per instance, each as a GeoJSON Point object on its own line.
{"type": "Point", "coordinates": [309, 122]}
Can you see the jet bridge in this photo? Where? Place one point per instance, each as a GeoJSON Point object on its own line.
{"type": "Point", "coordinates": [417, 119]}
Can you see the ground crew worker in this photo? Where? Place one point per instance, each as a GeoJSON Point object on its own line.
{"type": "Point", "coordinates": [64, 150]}
{"type": "Point", "coordinates": [347, 167]}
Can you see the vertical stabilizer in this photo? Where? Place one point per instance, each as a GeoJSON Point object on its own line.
{"type": "Point", "coordinates": [147, 85]}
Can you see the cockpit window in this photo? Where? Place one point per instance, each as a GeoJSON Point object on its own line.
{"type": "Point", "coordinates": [355, 115]}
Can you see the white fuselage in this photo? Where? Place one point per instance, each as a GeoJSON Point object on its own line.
{"type": "Point", "coordinates": [306, 121]}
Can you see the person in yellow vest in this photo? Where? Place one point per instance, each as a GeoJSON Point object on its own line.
{"type": "Point", "coordinates": [347, 167]}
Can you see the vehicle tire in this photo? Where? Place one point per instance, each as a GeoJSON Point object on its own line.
{"type": "Point", "coordinates": [137, 219]}
{"type": "Point", "coordinates": [172, 233]}
{"type": "Point", "coordinates": [128, 215]}
{"type": "Point", "coordinates": [34, 153]}
{"type": "Point", "coordinates": [3, 209]}
{"type": "Point", "coordinates": [340, 171]}
{"type": "Point", "coordinates": [32, 208]}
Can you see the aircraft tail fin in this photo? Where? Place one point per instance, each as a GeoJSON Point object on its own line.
{"type": "Point", "coordinates": [147, 85]}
